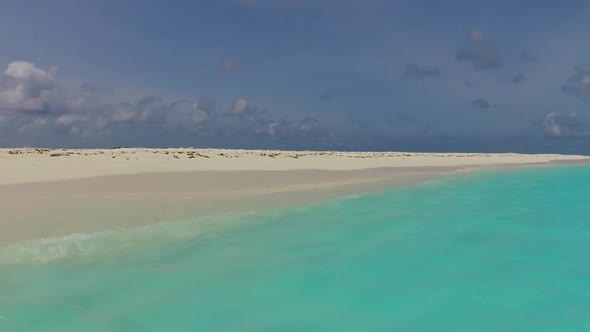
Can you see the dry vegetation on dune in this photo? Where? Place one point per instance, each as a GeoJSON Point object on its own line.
{"type": "Point", "coordinates": [191, 153]}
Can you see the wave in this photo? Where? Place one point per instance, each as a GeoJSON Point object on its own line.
{"type": "Point", "coordinates": [93, 245]}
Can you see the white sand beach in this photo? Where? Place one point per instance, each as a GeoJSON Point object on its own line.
{"type": "Point", "coordinates": [33, 165]}
{"type": "Point", "coordinates": [49, 193]}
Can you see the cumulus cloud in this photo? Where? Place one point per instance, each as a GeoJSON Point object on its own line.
{"type": "Point", "coordinates": [68, 119]}
{"type": "Point", "coordinates": [579, 83]}
{"type": "Point", "coordinates": [414, 71]}
{"type": "Point", "coordinates": [27, 71]}
{"type": "Point", "coordinates": [480, 52]}
{"type": "Point", "coordinates": [481, 103]}
{"type": "Point", "coordinates": [565, 125]}
{"type": "Point", "coordinates": [123, 113]}
{"type": "Point", "coordinates": [283, 129]}
{"type": "Point", "coordinates": [26, 87]}
{"type": "Point", "coordinates": [271, 128]}
{"type": "Point", "coordinates": [180, 115]}
{"type": "Point", "coordinates": [32, 105]}
{"type": "Point", "coordinates": [198, 117]}
{"type": "Point", "coordinates": [239, 106]}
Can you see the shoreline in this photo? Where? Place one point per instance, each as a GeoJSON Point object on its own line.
{"type": "Point", "coordinates": [132, 194]}
{"type": "Point", "coordinates": [25, 165]}
{"type": "Point", "coordinates": [132, 200]}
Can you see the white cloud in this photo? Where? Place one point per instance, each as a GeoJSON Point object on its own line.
{"type": "Point", "coordinates": [26, 87]}
{"type": "Point", "coordinates": [552, 125]}
{"type": "Point", "coordinates": [76, 104]}
{"type": "Point", "coordinates": [565, 125]}
{"type": "Point", "coordinates": [123, 115]}
{"type": "Point", "coordinates": [27, 71]}
{"type": "Point", "coordinates": [199, 117]}
{"type": "Point", "coordinates": [67, 119]}
{"type": "Point", "coordinates": [239, 106]}
{"type": "Point", "coordinates": [94, 114]}
{"type": "Point", "coordinates": [271, 128]}
{"type": "Point", "coordinates": [578, 84]}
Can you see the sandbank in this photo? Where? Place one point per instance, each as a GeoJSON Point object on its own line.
{"type": "Point", "coordinates": [52, 193]}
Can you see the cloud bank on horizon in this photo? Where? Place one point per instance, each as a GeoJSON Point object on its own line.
{"type": "Point", "coordinates": [297, 74]}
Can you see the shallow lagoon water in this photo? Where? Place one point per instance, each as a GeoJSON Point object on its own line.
{"type": "Point", "coordinates": [505, 251]}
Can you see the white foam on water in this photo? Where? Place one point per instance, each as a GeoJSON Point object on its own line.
{"type": "Point", "coordinates": [49, 249]}
{"type": "Point", "coordinates": [86, 245]}
{"type": "Point", "coordinates": [91, 245]}
{"type": "Point", "coordinates": [350, 197]}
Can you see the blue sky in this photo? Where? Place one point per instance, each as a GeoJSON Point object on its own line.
{"type": "Point", "coordinates": [379, 75]}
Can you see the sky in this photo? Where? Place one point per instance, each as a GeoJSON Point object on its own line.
{"type": "Point", "coordinates": [397, 75]}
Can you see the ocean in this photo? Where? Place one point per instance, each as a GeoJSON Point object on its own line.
{"type": "Point", "coordinates": [494, 251]}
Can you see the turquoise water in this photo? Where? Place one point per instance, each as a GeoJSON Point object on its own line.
{"type": "Point", "coordinates": [506, 251]}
